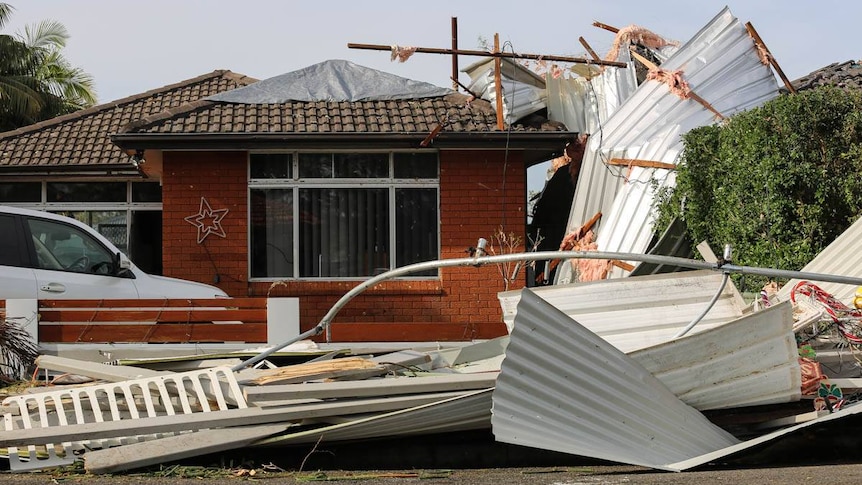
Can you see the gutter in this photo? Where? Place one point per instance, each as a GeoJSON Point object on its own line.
{"type": "Point", "coordinates": [552, 141]}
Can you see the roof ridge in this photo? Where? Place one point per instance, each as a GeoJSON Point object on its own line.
{"type": "Point", "coordinates": [241, 78]}
{"type": "Point", "coordinates": [167, 114]}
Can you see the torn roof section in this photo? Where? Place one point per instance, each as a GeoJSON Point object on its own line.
{"type": "Point", "coordinates": [523, 91]}
{"type": "Point", "coordinates": [332, 80]}
{"type": "Point", "coordinates": [721, 66]}
{"type": "Point", "coordinates": [615, 410]}
{"type": "Point", "coordinates": [563, 388]}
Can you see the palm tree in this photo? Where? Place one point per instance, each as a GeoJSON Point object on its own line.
{"type": "Point", "coordinates": [36, 81]}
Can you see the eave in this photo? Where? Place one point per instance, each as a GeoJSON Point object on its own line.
{"type": "Point", "coordinates": [538, 146]}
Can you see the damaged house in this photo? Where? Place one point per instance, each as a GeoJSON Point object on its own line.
{"type": "Point", "coordinates": [300, 185]}
{"type": "Point", "coordinates": [316, 180]}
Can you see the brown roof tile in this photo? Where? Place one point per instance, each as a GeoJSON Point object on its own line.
{"type": "Point", "coordinates": [82, 139]}
{"type": "Point", "coordinates": [840, 74]}
{"type": "Point", "coordinates": [457, 112]}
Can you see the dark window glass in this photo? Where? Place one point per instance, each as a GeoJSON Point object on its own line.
{"type": "Point", "coordinates": [343, 232]}
{"type": "Point", "coordinates": [21, 192]}
{"type": "Point", "coordinates": [146, 192]}
{"type": "Point", "coordinates": [416, 223]}
{"type": "Point", "coordinates": [86, 192]}
{"type": "Point", "coordinates": [10, 250]}
{"type": "Point", "coordinates": [361, 165]}
{"type": "Point", "coordinates": [416, 165]}
{"type": "Point", "coordinates": [271, 165]}
{"type": "Point", "coordinates": [271, 233]}
{"type": "Point", "coordinates": [315, 165]}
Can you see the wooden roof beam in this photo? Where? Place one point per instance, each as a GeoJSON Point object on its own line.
{"type": "Point", "coordinates": [634, 162]}
{"type": "Point", "coordinates": [502, 55]}
{"type": "Point", "coordinates": [759, 42]}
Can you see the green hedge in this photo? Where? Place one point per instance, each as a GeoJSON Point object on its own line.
{"type": "Point", "coordinates": [779, 182]}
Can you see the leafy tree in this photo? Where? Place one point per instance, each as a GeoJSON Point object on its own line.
{"type": "Point", "coordinates": [36, 81]}
{"type": "Point", "coordinates": [778, 183]}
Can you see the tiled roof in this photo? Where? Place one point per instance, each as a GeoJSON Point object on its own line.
{"type": "Point", "coordinates": [840, 74]}
{"type": "Point", "coordinates": [457, 113]}
{"type": "Point", "coordinates": [81, 140]}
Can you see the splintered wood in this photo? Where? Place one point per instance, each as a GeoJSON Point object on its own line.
{"type": "Point", "coordinates": [316, 370]}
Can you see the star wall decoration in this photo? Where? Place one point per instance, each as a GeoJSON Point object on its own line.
{"type": "Point", "coordinates": [208, 221]}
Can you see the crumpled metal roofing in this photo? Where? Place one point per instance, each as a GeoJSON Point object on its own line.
{"type": "Point", "coordinates": [751, 361]}
{"type": "Point", "coordinates": [729, 359]}
{"type": "Point", "coordinates": [721, 65]}
{"type": "Point", "coordinates": [549, 395]}
{"type": "Point", "coordinates": [565, 389]}
{"type": "Point", "coordinates": [639, 311]}
{"type": "Point", "coordinates": [585, 104]}
{"type": "Point", "coordinates": [470, 411]}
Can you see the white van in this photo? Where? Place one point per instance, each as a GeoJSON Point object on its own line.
{"type": "Point", "coordinates": [48, 256]}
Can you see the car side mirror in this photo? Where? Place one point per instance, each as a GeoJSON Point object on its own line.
{"type": "Point", "coordinates": [122, 265]}
{"type": "Point", "coordinates": [123, 262]}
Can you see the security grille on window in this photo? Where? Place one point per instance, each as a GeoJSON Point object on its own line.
{"type": "Point", "coordinates": [342, 215]}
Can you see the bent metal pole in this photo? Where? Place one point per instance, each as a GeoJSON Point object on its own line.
{"type": "Point", "coordinates": [539, 256]}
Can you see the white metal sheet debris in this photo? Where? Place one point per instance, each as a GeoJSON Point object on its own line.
{"type": "Point", "coordinates": [641, 311]}
{"type": "Point", "coordinates": [565, 389]}
{"type": "Point", "coordinates": [721, 66]}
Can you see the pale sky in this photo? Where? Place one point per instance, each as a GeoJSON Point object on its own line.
{"type": "Point", "coordinates": [133, 46]}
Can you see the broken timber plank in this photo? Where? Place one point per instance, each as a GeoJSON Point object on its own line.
{"type": "Point", "coordinates": [622, 265]}
{"type": "Point", "coordinates": [371, 388]}
{"type": "Point", "coordinates": [759, 42]}
{"type": "Point", "coordinates": [589, 49]}
{"type": "Point", "coordinates": [111, 373]}
{"type": "Point", "coordinates": [317, 370]}
{"type": "Point", "coordinates": [501, 54]}
{"type": "Point", "coordinates": [225, 418]}
{"type": "Point", "coordinates": [634, 162]}
{"type": "Point", "coordinates": [173, 448]}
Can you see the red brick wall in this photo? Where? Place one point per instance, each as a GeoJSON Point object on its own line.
{"type": "Point", "coordinates": [221, 178]}
{"type": "Point", "coordinates": [476, 199]}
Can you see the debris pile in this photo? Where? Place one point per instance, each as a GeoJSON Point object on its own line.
{"type": "Point", "coordinates": [141, 417]}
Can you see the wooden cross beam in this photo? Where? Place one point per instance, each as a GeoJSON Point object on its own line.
{"type": "Point", "coordinates": [507, 55]}
{"type": "Point", "coordinates": [634, 162]}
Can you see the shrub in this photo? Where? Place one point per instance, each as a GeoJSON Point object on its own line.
{"type": "Point", "coordinates": [778, 183]}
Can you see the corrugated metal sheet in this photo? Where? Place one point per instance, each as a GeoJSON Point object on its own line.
{"type": "Point", "coordinates": [639, 311]}
{"type": "Point", "coordinates": [722, 67]}
{"type": "Point", "coordinates": [471, 411]}
{"type": "Point", "coordinates": [565, 389]}
{"type": "Point", "coordinates": [585, 104]}
{"type": "Point", "coordinates": [523, 91]}
{"type": "Point", "coordinates": [842, 257]}
{"type": "Point", "coordinates": [747, 362]}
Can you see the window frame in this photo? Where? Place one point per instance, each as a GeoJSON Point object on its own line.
{"type": "Point", "coordinates": [295, 184]}
{"type": "Point", "coordinates": [128, 206]}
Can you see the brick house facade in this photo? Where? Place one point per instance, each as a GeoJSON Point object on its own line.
{"type": "Point", "coordinates": [202, 149]}
{"type": "Point", "coordinates": [461, 304]}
